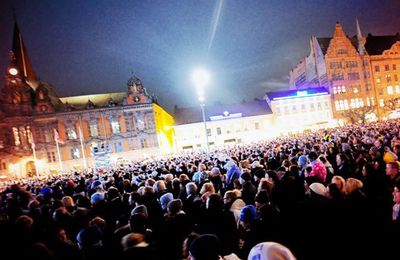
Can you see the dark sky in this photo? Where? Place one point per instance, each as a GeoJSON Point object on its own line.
{"type": "Point", "coordinates": [249, 46]}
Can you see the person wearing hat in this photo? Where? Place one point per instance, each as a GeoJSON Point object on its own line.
{"type": "Point", "coordinates": [90, 241]}
{"type": "Point", "coordinates": [270, 251]}
{"type": "Point", "coordinates": [205, 247]}
{"type": "Point", "coordinates": [248, 190]}
{"type": "Point", "coordinates": [216, 179]}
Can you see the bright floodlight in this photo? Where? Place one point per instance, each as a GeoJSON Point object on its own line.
{"type": "Point", "coordinates": [200, 78]}
{"type": "Point", "coordinates": [13, 71]}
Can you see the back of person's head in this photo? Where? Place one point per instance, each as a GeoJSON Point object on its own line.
{"type": "Point", "coordinates": [340, 183]}
{"type": "Point", "coordinates": [214, 202]}
{"type": "Point", "coordinates": [165, 199]}
{"type": "Point", "coordinates": [174, 206]}
{"type": "Point", "coordinates": [137, 223]}
{"type": "Point", "coordinates": [90, 236]}
{"type": "Point", "coordinates": [248, 214]}
{"type": "Point", "coordinates": [140, 209]}
{"type": "Point", "coordinates": [312, 156]}
{"type": "Point", "coordinates": [353, 185]}
{"type": "Point", "coordinates": [67, 201]}
{"type": "Point", "coordinates": [159, 186]}
{"type": "Point", "coordinates": [205, 247]}
{"type": "Point", "coordinates": [191, 188]}
{"type": "Point", "coordinates": [207, 187]}
{"type": "Point", "coordinates": [270, 251]}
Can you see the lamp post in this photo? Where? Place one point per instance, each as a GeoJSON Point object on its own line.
{"type": "Point", "coordinates": [201, 78]}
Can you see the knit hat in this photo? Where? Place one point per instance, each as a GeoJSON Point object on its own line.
{"type": "Point", "coordinates": [270, 251]}
{"type": "Point", "coordinates": [389, 157]}
{"type": "Point", "coordinates": [90, 236]}
{"type": "Point", "coordinates": [215, 170]}
{"type": "Point", "coordinates": [96, 184]}
{"type": "Point", "coordinates": [97, 197]}
{"type": "Point", "coordinates": [46, 191]}
{"type": "Point", "coordinates": [302, 160]}
{"type": "Point", "coordinates": [164, 199]}
{"type": "Point", "coordinates": [318, 188]}
{"type": "Point", "coordinates": [205, 247]}
{"type": "Point", "coordinates": [248, 213]}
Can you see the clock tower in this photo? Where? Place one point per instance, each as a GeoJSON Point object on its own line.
{"type": "Point", "coordinates": [137, 94]}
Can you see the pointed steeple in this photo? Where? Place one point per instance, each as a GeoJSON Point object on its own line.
{"type": "Point", "coordinates": [338, 31]}
{"type": "Point", "coordinates": [360, 39]}
{"type": "Point", "coordinates": [22, 61]}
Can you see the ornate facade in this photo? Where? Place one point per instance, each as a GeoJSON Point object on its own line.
{"type": "Point", "coordinates": [33, 117]}
{"type": "Point", "coordinates": [361, 73]}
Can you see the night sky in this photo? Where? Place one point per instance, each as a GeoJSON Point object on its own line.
{"type": "Point", "coordinates": [86, 47]}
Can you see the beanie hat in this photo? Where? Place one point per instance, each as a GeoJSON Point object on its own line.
{"type": "Point", "coordinates": [165, 199]}
{"type": "Point", "coordinates": [318, 188]}
{"type": "Point", "coordinates": [302, 160]}
{"type": "Point", "coordinates": [46, 191]}
{"type": "Point", "coordinates": [97, 197]}
{"type": "Point", "coordinates": [270, 251]}
{"type": "Point", "coordinates": [389, 157]}
{"type": "Point", "coordinates": [96, 184]}
{"type": "Point", "coordinates": [90, 236]}
{"type": "Point", "coordinates": [248, 213]}
{"type": "Point", "coordinates": [140, 209]}
{"type": "Point", "coordinates": [215, 170]}
{"type": "Point", "coordinates": [205, 247]}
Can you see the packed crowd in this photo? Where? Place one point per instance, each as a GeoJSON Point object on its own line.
{"type": "Point", "coordinates": [328, 194]}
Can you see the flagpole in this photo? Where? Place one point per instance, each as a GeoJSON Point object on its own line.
{"type": "Point", "coordinates": [83, 149]}
{"type": "Point", "coordinates": [34, 155]}
{"type": "Point", "coordinates": [56, 137]}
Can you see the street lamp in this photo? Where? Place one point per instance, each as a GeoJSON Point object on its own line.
{"type": "Point", "coordinates": [201, 78]}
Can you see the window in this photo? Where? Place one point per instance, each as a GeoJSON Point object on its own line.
{"type": "Point", "coordinates": [386, 67]}
{"type": "Point", "coordinates": [208, 132]}
{"type": "Point", "coordinates": [368, 87]}
{"type": "Point", "coordinates": [118, 147]}
{"type": "Point", "coordinates": [368, 102]}
{"type": "Point", "coordinates": [51, 157]}
{"type": "Point", "coordinates": [338, 76]}
{"type": "Point", "coordinates": [4, 166]}
{"type": "Point", "coordinates": [366, 75]}
{"type": "Point", "coordinates": [394, 67]}
{"type": "Point", "coordinates": [355, 90]}
{"type": "Point", "coordinates": [341, 105]}
{"type": "Point", "coordinates": [396, 77]}
{"type": "Point", "coordinates": [47, 136]}
{"type": "Point", "coordinates": [351, 64]}
{"type": "Point", "coordinates": [257, 125]}
{"type": "Point", "coordinates": [143, 143]}
{"type": "Point", "coordinates": [342, 51]}
{"type": "Point", "coordinates": [312, 106]}
{"type": "Point", "coordinates": [334, 90]}
{"type": "Point", "coordinates": [377, 69]}
{"type": "Point", "coordinates": [378, 80]}
{"type": "Point", "coordinates": [381, 103]}
{"type": "Point", "coordinates": [94, 128]}
{"type": "Point", "coordinates": [218, 130]}
{"type": "Point", "coordinates": [390, 90]}
{"type": "Point", "coordinates": [388, 78]}
{"type": "Point", "coordinates": [115, 128]}
{"type": "Point", "coordinates": [397, 89]}
{"type": "Point", "coordinates": [353, 76]}
{"type": "Point", "coordinates": [71, 133]}
{"type": "Point", "coordinates": [336, 65]}
{"type": "Point", "coordinates": [343, 89]}
{"type": "Point", "coordinates": [75, 154]}
{"type": "Point", "coordinates": [17, 141]}
{"type": "Point", "coordinates": [356, 103]}
{"type": "Point", "coordinates": [303, 107]}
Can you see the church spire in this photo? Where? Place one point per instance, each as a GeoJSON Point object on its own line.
{"type": "Point", "coordinates": [21, 59]}
{"type": "Point", "coordinates": [360, 39]}
{"type": "Point", "coordinates": [338, 31]}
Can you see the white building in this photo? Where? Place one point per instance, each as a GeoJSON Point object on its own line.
{"type": "Point", "coordinates": [295, 110]}
{"type": "Point", "coordinates": [226, 124]}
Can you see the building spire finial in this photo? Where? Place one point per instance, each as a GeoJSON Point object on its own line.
{"type": "Point", "coordinates": [360, 38]}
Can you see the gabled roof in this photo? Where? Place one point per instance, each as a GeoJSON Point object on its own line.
{"type": "Point", "coordinates": [324, 43]}
{"type": "Point", "coordinates": [190, 115]}
{"type": "Point", "coordinates": [376, 45]}
{"type": "Point", "coordinates": [288, 94]}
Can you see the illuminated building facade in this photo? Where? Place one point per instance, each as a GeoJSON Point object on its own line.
{"type": "Point", "coordinates": [226, 125]}
{"type": "Point", "coordinates": [32, 117]}
{"type": "Point", "coordinates": [301, 109]}
{"type": "Point", "coordinates": [361, 73]}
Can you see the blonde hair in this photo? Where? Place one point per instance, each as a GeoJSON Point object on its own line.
{"type": "Point", "coordinates": [353, 185]}
{"type": "Point", "coordinates": [67, 201]}
{"type": "Point", "coordinates": [207, 187]}
{"type": "Point", "coordinates": [340, 183]}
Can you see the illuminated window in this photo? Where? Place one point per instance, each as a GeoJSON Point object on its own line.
{"type": "Point", "coordinates": [118, 147]}
{"type": "Point", "coordinates": [368, 87]}
{"type": "Point", "coordinates": [355, 90]}
{"type": "Point", "coordinates": [75, 154]}
{"type": "Point", "coordinates": [377, 69]}
{"type": "Point", "coordinates": [17, 141]}
{"type": "Point", "coordinates": [342, 51]}
{"type": "Point", "coordinates": [94, 129]}
{"type": "Point", "coordinates": [368, 102]}
{"type": "Point", "coordinates": [381, 103]}
{"type": "Point", "coordinates": [396, 78]}
{"type": "Point", "coordinates": [388, 78]}
{"type": "Point", "coordinates": [51, 157]}
{"type": "Point", "coordinates": [351, 64]}
{"type": "Point", "coordinates": [115, 128]}
{"type": "Point", "coordinates": [390, 90]}
{"type": "Point", "coordinates": [378, 80]}
{"type": "Point", "coordinates": [397, 89]}
{"type": "Point", "coordinates": [353, 76]}
{"type": "Point", "coordinates": [334, 90]}
{"type": "Point", "coordinates": [343, 90]}
{"type": "Point", "coordinates": [71, 133]}
{"type": "Point", "coordinates": [143, 143]}
{"type": "Point", "coordinates": [47, 135]}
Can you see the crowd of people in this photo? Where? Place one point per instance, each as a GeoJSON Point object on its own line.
{"type": "Point", "coordinates": [326, 194]}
